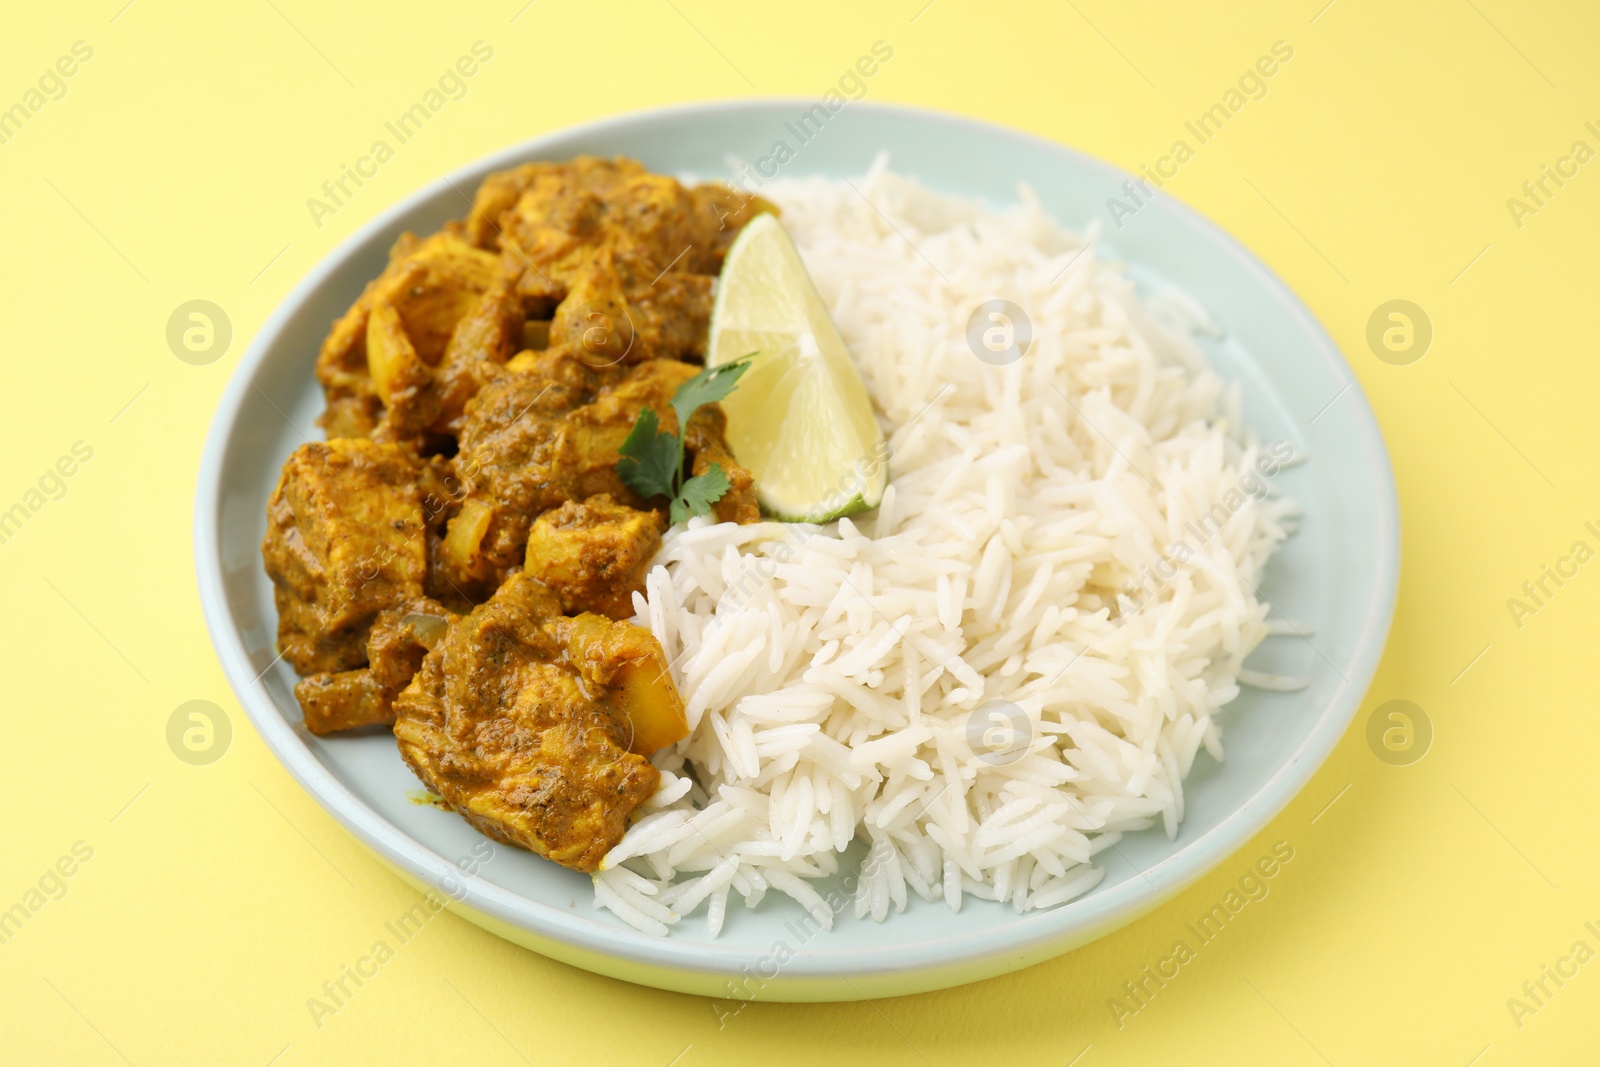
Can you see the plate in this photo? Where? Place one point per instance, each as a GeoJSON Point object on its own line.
{"type": "Point", "coordinates": [1336, 578]}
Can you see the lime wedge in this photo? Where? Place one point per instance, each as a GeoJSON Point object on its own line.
{"type": "Point", "coordinates": [800, 419]}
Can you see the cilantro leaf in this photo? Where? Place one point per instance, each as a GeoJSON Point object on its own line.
{"type": "Point", "coordinates": [707, 387]}
{"type": "Point", "coordinates": [699, 493]}
{"type": "Point", "coordinates": [651, 460]}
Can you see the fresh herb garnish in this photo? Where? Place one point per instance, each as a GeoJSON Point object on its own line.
{"type": "Point", "coordinates": [652, 459]}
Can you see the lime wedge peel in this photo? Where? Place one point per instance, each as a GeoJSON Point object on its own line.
{"type": "Point", "coordinates": [800, 420]}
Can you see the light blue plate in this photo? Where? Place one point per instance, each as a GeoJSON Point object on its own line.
{"type": "Point", "coordinates": [1337, 576]}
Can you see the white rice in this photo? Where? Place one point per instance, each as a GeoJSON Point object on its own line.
{"type": "Point", "coordinates": [842, 681]}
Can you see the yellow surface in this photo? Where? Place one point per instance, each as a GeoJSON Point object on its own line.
{"type": "Point", "coordinates": [219, 897]}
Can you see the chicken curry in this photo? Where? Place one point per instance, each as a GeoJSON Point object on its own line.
{"type": "Point", "coordinates": [459, 559]}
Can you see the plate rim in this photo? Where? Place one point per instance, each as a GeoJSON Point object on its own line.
{"type": "Point", "coordinates": [1091, 916]}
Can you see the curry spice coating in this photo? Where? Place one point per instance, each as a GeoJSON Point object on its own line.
{"type": "Point", "coordinates": [593, 554]}
{"type": "Point", "coordinates": [522, 719]}
{"type": "Point", "coordinates": [429, 286]}
{"type": "Point", "coordinates": [344, 700]}
{"type": "Point", "coordinates": [346, 539]}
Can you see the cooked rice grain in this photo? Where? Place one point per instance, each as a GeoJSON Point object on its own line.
{"type": "Point", "coordinates": [959, 678]}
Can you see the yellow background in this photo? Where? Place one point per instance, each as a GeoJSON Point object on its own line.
{"type": "Point", "coordinates": [1378, 167]}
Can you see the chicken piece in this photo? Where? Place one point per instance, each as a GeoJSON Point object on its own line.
{"type": "Point", "coordinates": [672, 315]}
{"type": "Point", "coordinates": [516, 424]}
{"type": "Point", "coordinates": [629, 255]}
{"type": "Point", "coordinates": [610, 316]}
{"type": "Point", "coordinates": [550, 211]}
{"type": "Point", "coordinates": [550, 217]}
{"type": "Point", "coordinates": [436, 287]}
{"type": "Point", "coordinates": [430, 284]}
{"type": "Point", "coordinates": [400, 377]}
{"type": "Point", "coordinates": [593, 555]}
{"type": "Point", "coordinates": [346, 538]}
{"type": "Point", "coordinates": [332, 701]}
{"type": "Point", "coordinates": [627, 672]}
{"type": "Point", "coordinates": [400, 637]}
{"type": "Point", "coordinates": [594, 321]}
{"type": "Point", "coordinates": [522, 720]}
{"type": "Point", "coordinates": [551, 427]}
{"type": "Point", "coordinates": [497, 194]}
{"type": "Point", "coordinates": [419, 399]}
{"type": "Point", "coordinates": [491, 332]}
{"type": "Point", "coordinates": [731, 210]}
